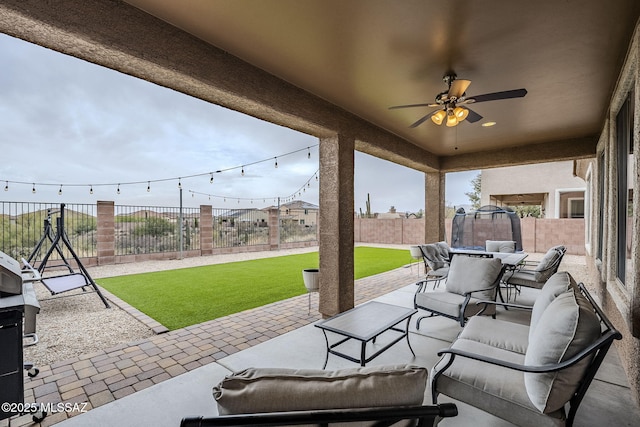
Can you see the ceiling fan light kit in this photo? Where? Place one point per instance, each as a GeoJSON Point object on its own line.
{"type": "Point", "coordinates": [449, 111]}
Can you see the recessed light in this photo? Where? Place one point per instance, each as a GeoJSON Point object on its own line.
{"type": "Point", "coordinates": [488, 124]}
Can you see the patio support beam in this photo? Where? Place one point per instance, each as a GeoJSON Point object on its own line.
{"type": "Point", "coordinates": [336, 224]}
{"type": "Point", "coordinates": [434, 185]}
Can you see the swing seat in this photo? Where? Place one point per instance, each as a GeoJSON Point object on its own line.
{"type": "Point", "coordinates": [67, 282]}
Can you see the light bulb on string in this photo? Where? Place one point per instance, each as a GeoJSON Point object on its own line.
{"type": "Point", "coordinates": [148, 186]}
{"type": "Point", "coordinates": [193, 195]}
{"type": "Point", "coordinates": [276, 165]}
{"type": "Point", "coordinates": [60, 190]}
{"type": "Point", "coordinates": [308, 153]}
{"type": "Point", "coordinates": [33, 189]}
{"type": "Point", "coordinates": [91, 189]}
{"type": "Point", "coordinates": [118, 190]}
{"type": "Point", "coordinates": [211, 180]}
{"type": "Point", "coordinates": [6, 186]}
{"type": "Point", "coordinates": [316, 177]}
{"type": "Point", "coordinates": [242, 171]}
{"type": "Point", "coordinates": [179, 184]}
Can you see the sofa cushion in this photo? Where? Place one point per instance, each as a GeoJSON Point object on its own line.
{"type": "Point", "coordinates": [567, 326]}
{"type": "Point", "coordinates": [544, 268]}
{"type": "Point", "coordinates": [500, 246]}
{"type": "Point", "coordinates": [557, 284]}
{"type": "Point", "coordinates": [256, 390]}
{"type": "Point", "coordinates": [497, 333]}
{"type": "Point", "coordinates": [467, 274]}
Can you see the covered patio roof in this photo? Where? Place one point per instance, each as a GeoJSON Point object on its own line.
{"type": "Point", "coordinates": [325, 67]}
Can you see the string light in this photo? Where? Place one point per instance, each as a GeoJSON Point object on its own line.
{"type": "Point", "coordinates": [292, 196]}
{"type": "Point", "coordinates": [33, 190]}
{"type": "Point", "coordinates": [211, 177]}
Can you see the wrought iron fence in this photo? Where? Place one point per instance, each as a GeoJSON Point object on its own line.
{"type": "Point", "coordinates": [25, 226]}
{"type": "Point", "coordinates": [240, 227]}
{"type": "Point", "coordinates": [154, 229]}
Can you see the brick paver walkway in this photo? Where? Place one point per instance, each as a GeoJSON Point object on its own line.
{"type": "Point", "coordinates": [101, 377]}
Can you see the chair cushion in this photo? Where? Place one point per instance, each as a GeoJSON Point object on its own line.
{"type": "Point", "coordinates": [256, 390]}
{"type": "Point", "coordinates": [434, 259]}
{"type": "Point", "coordinates": [557, 284]}
{"type": "Point", "coordinates": [449, 304]}
{"type": "Point", "coordinates": [467, 274]}
{"type": "Point", "coordinates": [512, 336]}
{"type": "Point", "coordinates": [525, 278]}
{"type": "Point", "coordinates": [567, 326]}
{"type": "Point", "coordinates": [444, 250]}
{"type": "Point", "coordinates": [544, 268]}
{"type": "Point", "coordinates": [500, 246]}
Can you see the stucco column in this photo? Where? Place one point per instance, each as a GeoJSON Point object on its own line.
{"type": "Point", "coordinates": [336, 224]}
{"type": "Point", "coordinates": [434, 184]}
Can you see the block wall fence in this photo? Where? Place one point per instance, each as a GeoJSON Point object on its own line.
{"type": "Point", "coordinates": [538, 234]}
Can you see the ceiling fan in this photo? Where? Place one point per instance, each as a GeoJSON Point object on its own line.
{"type": "Point", "coordinates": [450, 101]}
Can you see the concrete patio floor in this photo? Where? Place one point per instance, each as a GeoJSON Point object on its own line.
{"type": "Point", "coordinates": [161, 380]}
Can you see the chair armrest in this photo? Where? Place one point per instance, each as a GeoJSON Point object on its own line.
{"type": "Point", "coordinates": [603, 342]}
{"type": "Point", "coordinates": [490, 288]}
{"type": "Point", "coordinates": [505, 304]}
{"type": "Point", "coordinates": [427, 414]}
{"type": "Point", "coordinates": [422, 284]}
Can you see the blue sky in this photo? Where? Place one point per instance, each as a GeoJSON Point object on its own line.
{"type": "Point", "coordinates": [69, 122]}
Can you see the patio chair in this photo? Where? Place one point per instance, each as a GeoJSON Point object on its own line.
{"type": "Point", "coordinates": [507, 246]}
{"type": "Point", "coordinates": [470, 280]}
{"type": "Point", "coordinates": [536, 274]}
{"type": "Point", "coordinates": [436, 259]}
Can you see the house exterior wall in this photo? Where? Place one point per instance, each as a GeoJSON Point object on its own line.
{"type": "Point", "coordinates": [549, 178]}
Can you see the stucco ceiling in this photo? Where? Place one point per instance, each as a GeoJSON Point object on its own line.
{"type": "Point", "coordinates": [367, 55]}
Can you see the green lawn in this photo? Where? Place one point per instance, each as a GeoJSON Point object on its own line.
{"type": "Point", "coordinates": [183, 297]}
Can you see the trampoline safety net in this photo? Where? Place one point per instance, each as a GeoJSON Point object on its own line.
{"type": "Point", "coordinates": [471, 230]}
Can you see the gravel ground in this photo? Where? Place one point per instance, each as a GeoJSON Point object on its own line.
{"type": "Point", "coordinates": [76, 323]}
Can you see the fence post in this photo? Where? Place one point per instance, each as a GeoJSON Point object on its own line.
{"type": "Point", "coordinates": [274, 229]}
{"type": "Point", "coordinates": [106, 243]}
{"type": "Point", "coordinates": [206, 230]}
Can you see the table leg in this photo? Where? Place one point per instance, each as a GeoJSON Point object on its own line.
{"type": "Point", "coordinates": [363, 353]}
{"type": "Point", "coordinates": [326, 357]}
{"type": "Point", "coordinates": [406, 331]}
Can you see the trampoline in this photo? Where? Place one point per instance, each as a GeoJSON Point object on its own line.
{"type": "Point", "coordinates": [471, 230]}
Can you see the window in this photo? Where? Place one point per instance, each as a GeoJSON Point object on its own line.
{"type": "Point", "coordinates": [575, 208]}
{"type": "Point", "coordinates": [624, 151]}
{"type": "Point", "coordinates": [601, 170]}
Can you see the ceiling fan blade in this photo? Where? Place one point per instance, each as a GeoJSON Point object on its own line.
{"type": "Point", "coordinates": [507, 94]}
{"type": "Point", "coordinates": [422, 120]}
{"type": "Point", "coordinates": [458, 87]}
{"type": "Point", "coordinates": [395, 107]}
{"type": "Point", "coordinates": [473, 116]}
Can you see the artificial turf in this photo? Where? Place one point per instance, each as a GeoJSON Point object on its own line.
{"type": "Point", "coordinates": [183, 297]}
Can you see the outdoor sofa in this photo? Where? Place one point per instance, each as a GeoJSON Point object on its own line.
{"type": "Point", "coordinates": [369, 396]}
{"type": "Point", "coordinates": [530, 375]}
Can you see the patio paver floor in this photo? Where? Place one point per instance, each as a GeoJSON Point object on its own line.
{"type": "Point", "coordinates": [98, 378]}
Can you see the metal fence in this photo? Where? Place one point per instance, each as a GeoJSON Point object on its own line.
{"type": "Point", "coordinates": [24, 225]}
{"type": "Point", "coordinates": [137, 229]}
{"type": "Point", "coordinates": [240, 227]}
{"type": "Point", "coordinates": [154, 229]}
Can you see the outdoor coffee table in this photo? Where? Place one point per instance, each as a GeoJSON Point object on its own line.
{"type": "Point", "coordinates": [364, 323]}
